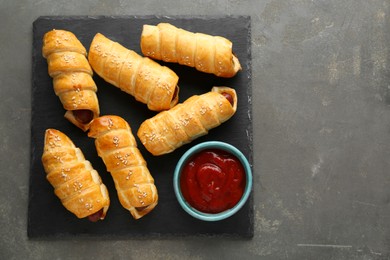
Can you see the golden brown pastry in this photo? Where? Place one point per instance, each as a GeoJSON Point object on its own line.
{"type": "Point", "coordinates": [185, 122]}
{"type": "Point", "coordinates": [117, 147]}
{"type": "Point", "coordinates": [75, 182]}
{"type": "Point", "coordinates": [207, 53]}
{"type": "Point", "coordinates": [72, 76]}
{"type": "Point", "coordinates": [141, 77]}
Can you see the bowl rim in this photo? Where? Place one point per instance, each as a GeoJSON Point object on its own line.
{"type": "Point", "coordinates": [204, 146]}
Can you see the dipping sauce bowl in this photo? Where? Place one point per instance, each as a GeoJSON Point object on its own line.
{"type": "Point", "coordinates": [212, 181]}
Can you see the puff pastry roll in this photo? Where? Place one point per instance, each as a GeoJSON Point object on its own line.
{"type": "Point", "coordinates": [207, 53]}
{"type": "Point", "coordinates": [141, 77]}
{"type": "Point", "coordinates": [117, 147]}
{"type": "Point", "coordinates": [72, 76]}
{"type": "Point", "coordinates": [187, 121]}
{"type": "Point", "coordinates": [75, 182]}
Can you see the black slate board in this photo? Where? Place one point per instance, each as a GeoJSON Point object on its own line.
{"type": "Point", "coordinates": [46, 215]}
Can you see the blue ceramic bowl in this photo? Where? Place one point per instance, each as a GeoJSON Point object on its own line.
{"type": "Point", "coordinates": [196, 149]}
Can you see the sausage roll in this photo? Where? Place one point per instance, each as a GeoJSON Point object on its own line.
{"type": "Point", "coordinates": [187, 121]}
{"type": "Point", "coordinates": [207, 53]}
{"type": "Point", "coordinates": [141, 77]}
{"type": "Point", "coordinates": [117, 147]}
{"type": "Point", "coordinates": [72, 76]}
{"type": "Point", "coordinates": [75, 182]}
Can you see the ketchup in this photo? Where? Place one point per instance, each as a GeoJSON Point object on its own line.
{"type": "Point", "coordinates": [213, 181]}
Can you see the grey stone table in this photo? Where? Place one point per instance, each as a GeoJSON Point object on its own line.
{"type": "Point", "coordinates": [321, 95]}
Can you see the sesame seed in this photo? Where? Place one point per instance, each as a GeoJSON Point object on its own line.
{"type": "Point", "coordinates": [64, 175]}
{"type": "Point", "coordinates": [203, 110]}
{"type": "Point", "coordinates": [146, 75]}
{"type": "Point", "coordinates": [77, 186]}
{"type": "Point", "coordinates": [97, 47]}
{"type": "Point", "coordinates": [88, 206]}
{"type": "Point", "coordinates": [116, 141]}
{"type": "Point", "coordinates": [165, 87]}
{"type": "Point", "coordinates": [68, 58]}
{"type": "Point", "coordinates": [110, 123]}
{"type": "Point", "coordinates": [122, 159]}
{"type": "Point", "coordinates": [185, 121]}
{"type": "Point", "coordinates": [58, 158]}
{"type": "Point", "coordinates": [152, 137]}
{"type": "Point", "coordinates": [129, 174]}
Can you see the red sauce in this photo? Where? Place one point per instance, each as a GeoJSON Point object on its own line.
{"type": "Point", "coordinates": [213, 181]}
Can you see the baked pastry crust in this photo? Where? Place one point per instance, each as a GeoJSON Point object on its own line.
{"type": "Point", "coordinates": [141, 77]}
{"type": "Point", "coordinates": [116, 145]}
{"type": "Point", "coordinates": [206, 53]}
{"type": "Point", "coordinates": [72, 76]}
{"type": "Point", "coordinates": [75, 182]}
{"type": "Point", "coordinates": [187, 121]}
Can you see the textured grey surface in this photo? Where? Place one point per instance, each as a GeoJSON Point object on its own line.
{"type": "Point", "coordinates": [321, 95]}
